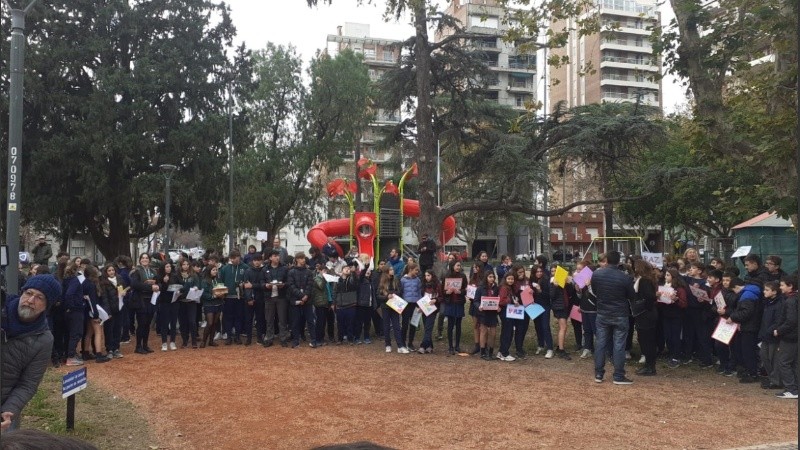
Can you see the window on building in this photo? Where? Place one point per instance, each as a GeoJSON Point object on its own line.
{"type": "Point", "coordinates": [388, 55]}
{"type": "Point", "coordinates": [369, 53]}
{"type": "Point", "coordinates": [519, 100]}
{"type": "Point", "coordinates": [77, 248]}
{"type": "Point", "coordinates": [485, 22]}
{"type": "Point", "coordinates": [557, 232]}
{"type": "Point", "coordinates": [593, 232]}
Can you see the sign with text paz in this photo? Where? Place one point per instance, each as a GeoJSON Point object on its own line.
{"type": "Point", "coordinates": [71, 384]}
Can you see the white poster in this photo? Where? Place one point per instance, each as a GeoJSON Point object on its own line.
{"type": "Point", "coordinates": [655, 259]}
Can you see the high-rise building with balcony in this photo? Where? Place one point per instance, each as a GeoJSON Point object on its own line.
{"type": "Point", "coordinates": [512, 79]}
{"type": "Point", "coordinates": [614, 65]}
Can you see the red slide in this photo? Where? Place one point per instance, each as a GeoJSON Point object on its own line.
{"type": "Point", "coordinates": [318, 235]}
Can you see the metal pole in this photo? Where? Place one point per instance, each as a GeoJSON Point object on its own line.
{"type": "Point", "coordinates": [438, 174]}
{"type": "Point", "coordinates": [167, 223]}
{"type": "Point", "coordinates": [545, 194]}
{"type": "Point", "coordinates": [167, 170]}
{"type": "Point", "coordinates": [230, 168]}
{"type": "Point", "coordinates": [71, 412]}
{"type": "Point", "coordinates": [15, 145]}
{"type": "Point", "coordinates": [797, 162]}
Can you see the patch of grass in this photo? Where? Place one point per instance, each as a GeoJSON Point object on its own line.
{"type": "Point", "coordinates": [100, 418]}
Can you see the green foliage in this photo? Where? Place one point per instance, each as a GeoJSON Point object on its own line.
{"type": "Point", "coordinates": [113, 90]}
{"type": "Point", "coordinates": [299, 133]}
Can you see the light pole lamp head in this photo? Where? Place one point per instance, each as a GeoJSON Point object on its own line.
{"type": "Point", "coordinates": [167, 170]}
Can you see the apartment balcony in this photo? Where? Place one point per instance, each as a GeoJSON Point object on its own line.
{"type": "Point", "coordinates": [617, 97]}
{"type": "Point", "coordinates": [520, 87]}
{"type": "Point", "coordinates": [641, 64]}
{"type": "Point", "coordinates": [626, 45]}
{"type": "Point", "coordinates": [628, 81]}
{"type": "Point", "coordinates": [485, 46]}
{"type": "Point", "coordinates": [381, 61]}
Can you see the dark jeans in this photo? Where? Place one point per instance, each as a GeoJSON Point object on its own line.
{"type": "Point", "coordinates": [430, 323]}
{"type": "Point", "coordinates": [611, 331]}
{"type": "Point", "coordinates": [696, 337]}
{"type": "Point", "coordinates": [321, 314]}
{"type": "Point", "coordinates": [346, 320]}
{"type": "Point", "coordinates": [391, 322]}
{"type": "Point", "coordinates": [187, 316]}
{"type": "Point", "coordinates": [302, 315]}
{"type": "Point", "coordinates": [168, 321]}
{"type": "Point", "coordinates": [363, 320]}
{"type": "Point", "coordinates": [787, 365]}
{"type": "Point", "coordinates": [330, 318]}
{"type": "Point", "coordinates": [75, 325]}
{"type": "Point", "coordinates": [409, 330]}
{"type": "Point", "coordinates": [543, 332]}
{"type": "Point", "coordinates": [749, 351]}
{"type": "Point", "coordinates": [513, 329]}
{"type": "Point", "coordinates": [127, 317]}
{"type": "Point", "coordinates": [144, 317]}
{"type": "Point", "coordinates": [672, 334]}
{"type": "Point", "coordinates": [647, 342]}
{"type": "Point", "coordinates": [727, 356]}
{"type": "Point", "coordinates": [377, 323]}
{"type": "Point", "coordinates": [259, 316]}
{"type": "Point", "coordinates": [629, 338]}
{"type": "Point", "coordinates": [276, 306]}
{"type": "Point", "coordinates": [112, 328]}
{"type": "Point", "coordinates": [57, 322]}
{"type": "Point", "coordinates": [454, 322]}
{"type": "Point", "coordinates": [577, 330]}
{"type": "Point", "coordinates": [589, 330]}
{"type": "Point", "coordinates": [233, 316]}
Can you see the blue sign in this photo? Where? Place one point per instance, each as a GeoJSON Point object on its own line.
{"type": "Point", "coordinates": [73, 382]}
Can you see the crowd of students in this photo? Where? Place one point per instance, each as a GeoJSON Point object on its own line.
{"type": "Point", "coordinates": [325, 299]}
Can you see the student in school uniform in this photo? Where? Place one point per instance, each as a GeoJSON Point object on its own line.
{"type": "Point", "coordinates": [645, 284]}
{"type": "Point", "coordinates": [454, 300]}
{"type": "Point", "coordinates": [561, 301]}
{"type": "Point", "coordinates": [410, 290]}
{"type": "Point", "coordinates": [387, 286]}
{"type": "Point", "coordinates": [786, 332]}
{"type": "Point", "coordinates": [748, 316]}
{"type": "Point", "coordinates": [672, 314]}
{"type": "Point", "coordinates": [433, 289]}
{"type": "Point", "coordinates": [476, 279]}
{"type": "Point", "coordinates": [509, 296]}
{"type": "Point", "coordinates": [773, 307]}
{"type": "Point", "coordinates": [488, 319]}
{"type": "Point", "coordinates": [728, 354]}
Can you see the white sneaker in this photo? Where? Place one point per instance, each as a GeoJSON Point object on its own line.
{"type": "Point", "coordinates": [508, 358]}
{"type": "Point", "coordinates": [163, 347]}
{"type": "Point", "coordinates": [203, 324]}
{"type": "Point", "coordinates": [549, 354]}
{"type": "Point", "coordinates": [586, 353]}
{"type": "Point", "coordinates": [403, 350]}
{"type": "Point", "coordinates": [499, 355]}
{"type": "Point", "coordinates": [786, 394]}
{"type": "Point", "coordinates": [224, 335]}
{"type": "Point", "coordinates": [388, 349]}
{"type": "Point", "coordinates": [642, 360]}
{"type": "Point", "coordinates": [628, 355]}
{"type": "Point", "coordinates": [217, 336]}
{"type": "Point", "coordinates": [539, 350]}
{"type": "Point", "coordinates": [172, 346]}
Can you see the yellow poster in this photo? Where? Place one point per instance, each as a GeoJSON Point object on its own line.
{"type": "Point", "coordinates": [561, 276]}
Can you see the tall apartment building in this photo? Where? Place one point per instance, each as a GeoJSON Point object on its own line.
{"type": "Point", "coordinates": [614, 65]}
{"type": "Point", "coordinates": [380, 55]}
{"type": "Point", "coordinates": [512, 80]}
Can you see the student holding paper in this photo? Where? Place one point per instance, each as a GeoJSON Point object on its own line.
{"type": "Point", "coordinates": [212, 304]}
{"type": "Point", "coordinates": [561, 301]}
{"type": "Point", "coordinates": [387, 286]}
{"type": "Point", "coordinates": [410, 289]}
{"type": "Point", "coordinates": [432, 289]}
{"type": "Point", "coordinates": [112, 288]}
{"type": "Point", "coordinates": [167, 309]}
{"type": "Point", "coordinates": [345, 301]}
{"type": "Point", "coordinates": [671, 314]}
{"type": "Point", "coordinates": [588, 306]}
{"type": "Point", "coordinates": [187, 309]}
{"type": "Point", "coordinates": [509, 295]}
{"type": "Point", "coordinates": [728, 354]}
{"type": "Point", "coordinates": [540, 282]}
{"type": "Point", "coordinates": [143, 285]}
{"type": "Point", "coordinates": [748, 316]}
{"type": "Point", "coordinates": [521, 280]}
{"type": "Point", "coordinates": [476, 279]}
{"type": "Point", "coordinates": [94, 327]}
{"type": "Point", "coordinates": [454, 300]}
{"type": "Point", "coordinates": [487, 319]}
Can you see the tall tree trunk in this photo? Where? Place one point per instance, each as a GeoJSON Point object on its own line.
{"type": "Point", "coordinates": [430, 218]}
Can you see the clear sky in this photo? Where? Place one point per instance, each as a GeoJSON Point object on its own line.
{"type": "Point", "coordinates": [293, 22]}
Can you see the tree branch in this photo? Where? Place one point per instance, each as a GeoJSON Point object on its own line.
{"type": "Point", "coordinates": [492, 205]}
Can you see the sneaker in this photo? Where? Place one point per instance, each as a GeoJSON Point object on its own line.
{"type": "Point", "coordinates": [642, 360]}
{"type": "Point", "coordinates": [102, 359]}
{"type": "Point", "coordinates": [598, 378]}
{"type": "Point", "coordinates": [729, 373]}
{"type": "Point", "coordinates": [646, 372]}
{"type": "Point", "coordinates": [508, 358]}
{"type": "Point", "coordinates": [439, 337]}
{"type": "Point", "coordinates": [358, 342]}
{"type": "Point", "coordinates": [116, 354]}
{"type": "Point", "coordinates": [686, 361]}
{"type": "Point", "coordinates": [564, 355]}
{"type": "Point", "coordinates": [312, 344]}
{"type": "Point", "coordinates": [128, 341]}
{"type": "Point", "coordinates": [522, 355]}
{"type": "Point", "coordinates": [217, 336]}
{"type": "Point", "coordinates": [421, 351]}
{"type": "Point", "coordinates": [203, 324]}
{"type": "Point", "coordinates": [706, 365]}
{"type": "Point", "coordinates": [499, 355]}
{"type": "Point", "coordinates": [539, 350]}
{"type": "Point", "coordinates": [172, 346]}
{"type": "Point", "coordinates": [164, 347]}
{"type": "Point", "coordinates": [368, 341]}
{"type": "Point", "coordinates": [411, 347]}
{"type": "Point", "coordinates": [224, 336]}
{"type": "Point", "coordinates": [623, 381]}
{"type": "Point", "coordinates": [295, 344]}
{"type": "Point", "coordinates": [786, 394]}
{"type": "Point", "coordinates": [628, 356]}
{"type": "Point", "coordinates": [388, 349]}
{"type": "Point", "coordinates": [403, 350]}
{"type": "Point", "coordinates": [673, 363]}
{"type": "Point", "coordinates": [429, 350]}
{"type": "Point", "coordinates": [549, 354]}
{"type": "Point", "coordinates": [586, 353]}
{"type": "Point", "coordinates": [74, 362]}
{"type": "Point", "coordinates": [769, 385]}
{"type": "Point", "coordinates": [747, 379]}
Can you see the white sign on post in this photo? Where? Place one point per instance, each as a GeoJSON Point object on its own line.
{"type": "Point", "coordinates": [262, 235]}
{"type": "Point", "coordinates": [655, 259]}
{"type": "Point", "coordinates": [742, 251]}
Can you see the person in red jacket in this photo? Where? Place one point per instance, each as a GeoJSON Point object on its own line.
{"type": "Point", "coordinates": [671, 310]}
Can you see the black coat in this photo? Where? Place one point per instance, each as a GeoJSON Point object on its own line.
{"type": "Point", "coordinates": [787, 327]}
{"type": "Point", "coordinates": [647, 294]}
{"type": "Point", "coordinates": [299, 282]}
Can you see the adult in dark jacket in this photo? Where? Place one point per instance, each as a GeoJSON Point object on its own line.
{"type": "Point", "coordinates": [786, 331]}
{"type": "Point", "coordinates": [27, 345]}
{"type": "Point", "coordinates": [427, 253]}
{"type": "Point", "coordinates": [300, 284]}
{"type": "Point", "coordinates": [75, 308]}
{"type": "Point", "coordinates": [42, 252]}
{"type": "Point", "coordinates": [276, 302]}
{"type": "Point", "coordinates": [143, 285]}
{"type": "Point", "coordinates": [748, 317]}
{"type": "Point", "coordinates": [614, 291]}
{"type": "Point", "coordinates": [645, 285]}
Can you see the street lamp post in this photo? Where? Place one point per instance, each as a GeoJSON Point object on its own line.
{"type": "Point", "coordinates": [167, 170]}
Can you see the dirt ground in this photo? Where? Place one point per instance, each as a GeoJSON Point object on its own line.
{"type": "Point", "coordinates": [250, 397]}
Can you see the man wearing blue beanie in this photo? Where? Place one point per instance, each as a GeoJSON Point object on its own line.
{"type": "Point", "coordinates": [27, 345]}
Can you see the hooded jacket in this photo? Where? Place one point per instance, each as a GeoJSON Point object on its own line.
{"type": "Point", "coordinates": [746, 313]}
